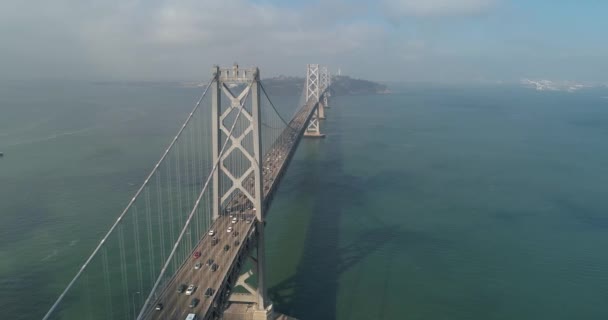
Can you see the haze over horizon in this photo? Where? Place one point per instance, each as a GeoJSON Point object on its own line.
{"type": "Point", "coordinates": [387, 40]}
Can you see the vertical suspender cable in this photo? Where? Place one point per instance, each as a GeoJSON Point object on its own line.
{"type": "Point", "coordinates": [106, 276]}
{"type": "Point", "coordinates": [123, 269]}
{"type": "Point", "coordinates": [150, 236]}
{"type": "Point", "coordinates": [137, 248]}
{"type": "Point", "coordinates": [161, 216]}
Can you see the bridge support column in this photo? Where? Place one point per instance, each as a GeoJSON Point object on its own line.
{"type": "Point", "coordinates": [322, 110]}
{"type": "Point", "coordinates": [258, 201]}
{"type": "Point", "coordinates": [216, 109]}
{"type": "Point", "coordinates": [325, 79]}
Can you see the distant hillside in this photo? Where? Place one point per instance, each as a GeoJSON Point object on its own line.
{"type": "Point", "coordinates": [349, 86]}
{"type": "Point", "coordinates": [341, 85]}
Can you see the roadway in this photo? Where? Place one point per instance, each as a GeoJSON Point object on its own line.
{"type": "Point", "coordinates": [176, 305]}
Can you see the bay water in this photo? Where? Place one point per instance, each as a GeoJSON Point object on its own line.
{"type": "Point", "coordinates": [434, 202]}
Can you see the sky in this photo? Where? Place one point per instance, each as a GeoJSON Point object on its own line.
{"type": "Point", "coordinates": [384, 40]}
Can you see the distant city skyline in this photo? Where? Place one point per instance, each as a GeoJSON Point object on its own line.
{"type": "Point", "coordinates": [386, 40]}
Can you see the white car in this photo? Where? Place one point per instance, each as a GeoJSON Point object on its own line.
{"type": "Point", "coordinates": [212, 232]}
{"type": "Point", "coordinates": [190, 290]}
{"type": "Point", "coordinates": [229, 229]}
{"type": "Point", "coordinates": [235, 219]}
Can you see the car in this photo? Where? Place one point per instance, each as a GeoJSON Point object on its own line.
{"type": "Point", "coordinates": [181, 288]}
{"type": "Point", "coordinates": [249, 220]}
{"type": "Point", "coordinates": [194, 302]}
{"type": "Point", "coordinates": [229, 229]}
{"type": "Point", "coordinates": [237, 242]}
{"type": "Point", "coordinates": [192, 316]}
{"type": "Point", "coordinates": [209, 262]}
{"type": "Point", "coordinates": [226, 247]}
{"type": "Point", "coordinates": [209, 292]}
{"type": "Point", "coordinates": [198, 265]}
{"type": "Point", "coordinates": [190, 290]}
{"type": "Point", "coordinates": [214, 241]}
{"type": "Point", "coordinates": [197, 254]}
{"type": "Point", "coordinates": [211, 232]}
{"type": "Point", "coordinates": [159, 306]}
{"type": "Point", "coordinates": [214, 267]}
{"type": "Point", "coordinates": [235, 220]}
{"type": "Point", "coordinates": [236, 233]}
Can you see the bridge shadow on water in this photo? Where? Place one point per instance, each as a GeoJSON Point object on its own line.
{"type": "Point", "coordinates": [312, 292]}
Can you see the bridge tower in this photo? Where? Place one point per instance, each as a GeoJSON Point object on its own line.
{"type": "Point", "coordinates": [312, 96]}
{"type": "Point", "coordinates": [246, 144]}
{"type": "Point", "coordinates": [325, 83]}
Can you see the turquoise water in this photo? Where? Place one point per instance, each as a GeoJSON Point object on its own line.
{"type": "Point", "coordinates": [431, 203]}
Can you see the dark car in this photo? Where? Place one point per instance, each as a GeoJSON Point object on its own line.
{"type": "Point", "coordinates": [209, 292]}
{"type": "Point", "coordinates": [214, 267]}
{"type": "Point", "coordinates": [159, 306]}
{"type": "Point", "coordinates": [236, 233]}
{"type": "Point", "coordinates": [236, 242]}
{"type": "Point", "coordinates": [226, 247]}
{"type": "Point", "coordinates": [181, 288]}
{"type": "Point", "coordinates": [194, 302]}
{"type": "Point", "coordinates": [209, 262]}
{"type": "Point", "coordinates": [197, 254]}
{"type": "Point", "coordinates": [214, 241]}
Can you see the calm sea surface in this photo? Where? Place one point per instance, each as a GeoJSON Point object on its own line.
{"type": "Point", "coordinates": [430, 203]}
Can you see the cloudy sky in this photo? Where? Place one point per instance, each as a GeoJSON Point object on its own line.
{"type": "Point", "coordinates": [392, 40]}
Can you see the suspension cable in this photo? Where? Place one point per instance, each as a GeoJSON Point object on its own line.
{"type": "Point", "coordinates": [272, 104]}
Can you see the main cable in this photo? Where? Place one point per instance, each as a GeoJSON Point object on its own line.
{"type": "Point", "coordinates": [272, 105]}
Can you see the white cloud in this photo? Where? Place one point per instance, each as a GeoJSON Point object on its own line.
{"type": "Point", "coordinates": [400, 8]}
{"type": "Point", "coordinates": [181, 39]}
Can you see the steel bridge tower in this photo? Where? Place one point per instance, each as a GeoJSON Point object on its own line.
{"type": "Point", "coordinates": [313, 91]}
{"type": "Point", "coordinates": [245, 143]}
{"type": "Point", "coordinates": [325, 83]}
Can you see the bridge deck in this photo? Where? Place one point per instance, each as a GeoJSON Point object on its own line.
{"type": "Point", "coordinates": [176, 306]}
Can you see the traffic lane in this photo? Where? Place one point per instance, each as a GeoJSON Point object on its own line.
{"type": "Point", "coordinates": [180, 302]}
{"type": "Point", "coordinates": [226, 259]}
{"type": "Point", "coordinates": [201, 279]}
{"type": "Point", "coordinates": [212, 279]}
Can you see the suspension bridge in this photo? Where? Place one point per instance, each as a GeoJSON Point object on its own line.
{"type": "Point", "coordinates": [190, 242]}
